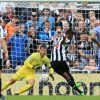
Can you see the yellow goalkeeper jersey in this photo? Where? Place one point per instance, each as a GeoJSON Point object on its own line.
{"type": "Point", "coordinates": [30, 65]}
{"type": "Point", "coordinates": [34, 61]}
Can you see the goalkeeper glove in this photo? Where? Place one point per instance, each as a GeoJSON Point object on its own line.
{"type": "Point", "coordinates": [51, 73]}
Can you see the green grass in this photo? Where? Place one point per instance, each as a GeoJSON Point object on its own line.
{"type": "Point", "coordinates": [52, 98]}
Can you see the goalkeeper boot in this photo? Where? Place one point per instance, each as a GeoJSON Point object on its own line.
{"type": "Point", "coordinates": [2, 96]}
{"type": "Point", "coordinates": [16, 94]}
{"type": "Point", "coordinates": [78, 84]}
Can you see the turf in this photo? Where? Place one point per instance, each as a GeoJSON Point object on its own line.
{"type": "Point", "coordinates": [52, 98]}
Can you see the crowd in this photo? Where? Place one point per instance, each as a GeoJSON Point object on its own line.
{"type": "Point", "coordinates": [25, 28]}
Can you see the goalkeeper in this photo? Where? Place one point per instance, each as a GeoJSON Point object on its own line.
{"type": "Point", "coordinates": [27, 71]}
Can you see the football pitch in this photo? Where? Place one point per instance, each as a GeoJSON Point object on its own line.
{"type": "Point", "coordinates": [52, 98]}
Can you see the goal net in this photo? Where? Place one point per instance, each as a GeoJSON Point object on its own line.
{"type": "Point", "coordinates": [29, 23]}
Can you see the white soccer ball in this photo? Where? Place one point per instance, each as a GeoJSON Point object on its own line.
{"type": "Point", "coordinates": [44, 78]}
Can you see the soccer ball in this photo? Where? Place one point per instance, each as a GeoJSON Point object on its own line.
{"type": "Point", "coordinates": [44, 78]}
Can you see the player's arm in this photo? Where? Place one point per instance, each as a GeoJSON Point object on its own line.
{"type": "Point", "coordinates": [3, 43]}
{"type": "Point", "coordinates": [68, 36]}
{"type": "Point", "coordinates": [51, 70]}
{"type": "Point", "coordinates": [51, 73]}
{"type": "Point", "coordinates": [94, 37]}
{"type": "Point", "coordinates": [29, 60]}
{"type": "Point", "coordinates": [4, 46]}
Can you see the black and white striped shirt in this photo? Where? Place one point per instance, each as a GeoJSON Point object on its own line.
{"type": "Point", "coordinates": [1, 37]}
{"type": "Point", "coordinates": [59, 49]}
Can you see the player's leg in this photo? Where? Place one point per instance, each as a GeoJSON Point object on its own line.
{"type": "Point", "coordinates": [0, 81]}
{"type": "Point", "coordinates": [71, 81]}
{"type": "Point", "coordinates": [69, 74]}
{"type": "Point", "coordinates": [0, 74]}
{"type": "Point", "coordinates": [1, 96]}
{"type": "Point", "coordinates": [30, 82]}
{"type": "Point", "coordinates": [69, 78]}
{"type": "Point", "coordinates": [17, 76]}
{"type": "Point", "coordinates": [62, 69]}
{"type": "Point", "coordinates": [7, 84]}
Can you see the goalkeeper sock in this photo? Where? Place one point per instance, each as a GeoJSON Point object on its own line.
{"type": "Point", "coordinates": [73, 85]}
{"type": "Point", "coordinates": [6, 85]}
{"type": "Point", "coordinates": [25, 88]}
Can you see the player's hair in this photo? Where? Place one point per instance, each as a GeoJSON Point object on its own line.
{"type": "Point", "coordinates": [43, 45]}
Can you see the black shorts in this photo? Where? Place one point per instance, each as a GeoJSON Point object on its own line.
{"type": "Point", "coordinates": [1, 63]}
{"type": "Point", "coordinates": [60, 67]}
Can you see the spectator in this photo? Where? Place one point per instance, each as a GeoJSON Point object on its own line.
{"type": "Point", "coordinates": [65, 26]}
{"type": "Point", "coordinates": [92, 47]}
{"type": "Point", "coordinates": [31, 21]}
{"type": "Point", "coordinates": [32, 42]}
{"type": "Point", "coordinates": [84, 46]}
{"type": "Point", "coordinates": [59, 31]}
{"type": "Point", "coordinates": [24, 14]}
{"type": "Point", "coordinates": [11, 28]}
{"type": "Point", "coordinates": [23, 28]}
{"type": "Point", "coordinates": [18, 43]}
{"type": "Point", "coordinates": [58, 20]}
{"type": "Point", "coordinates": [45, 21]}
{"type": "Point", "coordinates": [44, 17]}
{"type": "Point", "coordinates": [73, 56]}
{"type": "Point", "coordinates": [79, 16]}
{"type": "Point", "coordinates": [81, 28]}
{"type": "Point", "coordinates": [72, 15]}
{"type": "Point", "coordinates": [92, 65]}
{"type": "Point", "coordinates": [91, 18]}
{"type": "Point", "coordinates": [9, 15]}
{"type": "Point", "coordinates": [47, 33]}
{"type": "Point", "coordinates": [63, 17]}
{"type": "Point", "coordinates": [32, 32]}
{"type": "Point", "coordinates": [84, 43]}
{"type": "Point", "coordinates": [66, 15]}
{"type": "Point", "coordinates": [91, 26]}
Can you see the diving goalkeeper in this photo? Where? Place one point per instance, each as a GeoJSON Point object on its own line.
{"type": "Point", "coordinates": [27, 71]}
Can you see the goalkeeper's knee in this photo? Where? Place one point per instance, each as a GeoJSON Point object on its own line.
{"type": "Point", "coordinates": [31, 82]}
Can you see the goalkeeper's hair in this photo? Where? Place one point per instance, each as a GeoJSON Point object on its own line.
{"type": "Point", "coordinates": [43, 45]}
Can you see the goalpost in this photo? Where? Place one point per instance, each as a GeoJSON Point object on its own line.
{"type": "Point", "coordinates": [24, 11]}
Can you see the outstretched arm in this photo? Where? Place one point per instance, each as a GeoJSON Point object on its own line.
{"type": "Point", "coordinates": [51, 73]}
{"type": "Point", "coordinates": [51, 70]}
{"type": "Point", "coordinates": [68, 36]}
